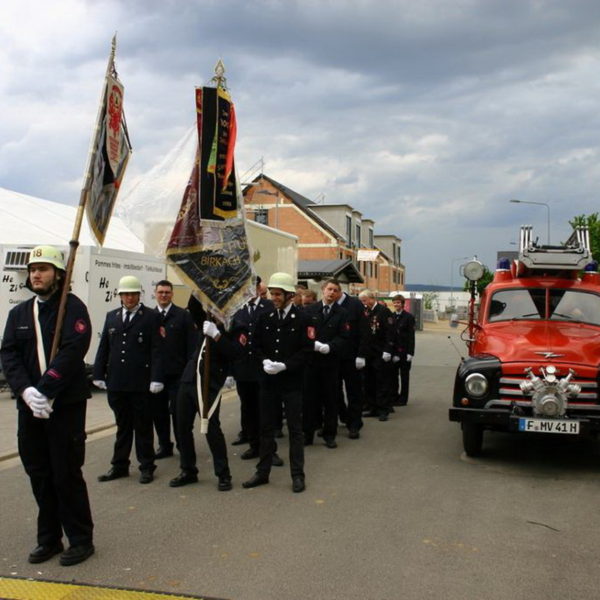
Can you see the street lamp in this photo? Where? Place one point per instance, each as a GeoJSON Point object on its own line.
{"type": "Point", "coordinates": [452, 277]}
{"type": "Point", "coordinates": [539, 204]}
{"type": "Point", "coordinates": [276, 194]}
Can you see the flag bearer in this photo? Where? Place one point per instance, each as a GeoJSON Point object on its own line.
{"type": "Point", "coordinates": [51, 400]}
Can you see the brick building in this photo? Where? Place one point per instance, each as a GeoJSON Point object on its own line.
{"type": "Point", "coordinates": [330, 237]}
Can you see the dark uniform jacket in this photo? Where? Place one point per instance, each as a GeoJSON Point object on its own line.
{"type": "Point", "coordinates": [402, 334]}
{"type": "Point", "coordinates": [248, 366]}
{"type": "Point", "coordinates": [332, 330]}
{"type": "Point", "coordinates": [290, 341]}
{"type": "Point", "coordinates": [180, 339]}
{"type": "Point", "coordinates": [375, 332]}
{"type": "Point", "coordinates": [221, 352]}
{"type": "Point", "coordinates": [356, 314]}
{"type": "Point", "coordinates": [129, 356]}
{"type": "Point", "coordinates": [64, 378]}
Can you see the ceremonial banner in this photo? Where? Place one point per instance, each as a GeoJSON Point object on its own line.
{"type": "Point", "coordinates": [208, 246]}
{"type": "Point", "coordinates": [111, 152]}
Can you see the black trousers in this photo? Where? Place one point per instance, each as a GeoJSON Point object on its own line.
{"type": "Point", "coordinates": [249, 393]}
{"type": "Point", "coordinates": [274, 395]}
{"type": "Point", "coordinates": [378, 385]}
{"type": "Point", "coordinates": [351, 408]}
{"type": "Point", "coordinates": [163, 411]}
{"type": "Point", "coordinates": [321, 398]}
{"type": "Point", "coordinates": [403, 368]}
{"type": "Point", "coordinates": [133, 414]}
{"type": "Point", "coordinates": [52, 452]}
{"type": "Point", "coordinates": [186, 409]}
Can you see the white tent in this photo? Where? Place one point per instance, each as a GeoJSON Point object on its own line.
{"type": "Point", "coordinates": [29, 220]}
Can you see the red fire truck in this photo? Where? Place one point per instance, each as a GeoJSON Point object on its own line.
{"type": "Point", "coordinates": [534, 345]}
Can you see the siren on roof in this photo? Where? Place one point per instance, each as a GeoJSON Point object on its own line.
{"type": "Point", "coordinates": [503, 264]}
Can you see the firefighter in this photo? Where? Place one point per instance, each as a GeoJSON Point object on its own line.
{"type": "Point", "coordinates": [180, 338]}
{"type": "Point", "coordinates": [373, 354]}
{"type": "Point", "coordinates": [128, 366]}
{"type": "Point", "coordinates": [350, 379]}
{"type": "Point", "coordinates": [222, 352]}
{"type": "Point", "coordinates": [283, 340]}
{"type": "Point", "coordinates": [246, 369]}
{"type": "Point", "coordinates": [329, 321]}
{"type": "Point", "coordinates": [51, 401]}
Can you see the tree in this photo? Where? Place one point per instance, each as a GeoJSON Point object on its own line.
{"type": "Point", "coordinates": [428, 299]}
{"type": "Point", "coordinates": [592, 222]}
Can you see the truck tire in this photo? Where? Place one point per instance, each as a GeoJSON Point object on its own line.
{"type": "Point", "coordinates": [472, 438]}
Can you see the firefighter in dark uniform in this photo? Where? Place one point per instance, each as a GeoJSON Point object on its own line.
{"type": "Point", "coordinates": [284, 342]}
{"type": "Point", "coordinates": [329, 321]}
{"type": "Point", "coordinates": [51, 401]}
{"type": "Point", "coordinates": [374, 354]}
{"type": "Point", "coordinates": [222, 351]}
{"type": "Point", "coordinates": [246, 369]}
{"type": "Point", "coordinates": [402, 349]}
{"type": "Point", "coordinates": [128, 366]}
{"type": "Point", "coordinates": [350, 377]}
{"type": "Point", "coordinates": [180, 338]}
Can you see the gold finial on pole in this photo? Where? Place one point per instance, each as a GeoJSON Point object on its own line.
{"type": "Point", "coordinates": [219, 77]}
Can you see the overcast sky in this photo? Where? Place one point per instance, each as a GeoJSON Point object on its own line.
{"type": "Point", "coordinates": [427, 116]}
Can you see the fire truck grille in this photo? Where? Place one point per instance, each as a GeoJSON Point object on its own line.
{"type": "Point", "coordinates": [510, 393]}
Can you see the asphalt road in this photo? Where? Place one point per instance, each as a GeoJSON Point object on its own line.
{"type": "Point", "coordinates": [400, 513]}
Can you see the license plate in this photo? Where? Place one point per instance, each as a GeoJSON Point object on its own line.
{"type": "Point", "coordinates": [549, 426]}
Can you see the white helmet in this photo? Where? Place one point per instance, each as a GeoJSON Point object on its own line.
{"type": "Point", "coordinates": [47, 254]}
{"type": "Point", "coordinates": [129, 284]}
{"type": "Point", "coordinates": [283, 281]}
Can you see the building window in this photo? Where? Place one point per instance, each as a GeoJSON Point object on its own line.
{"type": "Point", "coordinates": [261, 215]}
{"type": "Point", "coordinates": [399, 255]}
{"type": "Point", "coordinates": [393, 252]}
{"type": "Point", "coordinates": [371, 244]}
{"type": "Point", "coordinates": [357, 237]}
{"type": "Point", "coordinates": [376, 270]}
{"type": "Point", "coordinates": [349, 229]}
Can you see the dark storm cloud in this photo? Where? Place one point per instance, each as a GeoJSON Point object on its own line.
{"type": "Point", "coordinates": [426, 116]}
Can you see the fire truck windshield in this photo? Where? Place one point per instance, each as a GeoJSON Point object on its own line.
{"type": "Point", "coordinates": [530, 304]}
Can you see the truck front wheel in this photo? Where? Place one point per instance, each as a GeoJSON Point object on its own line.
{"type": "Point", "coordinates": [472, 438]}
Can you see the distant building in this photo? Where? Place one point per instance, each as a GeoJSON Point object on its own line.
{"type": "Point", "coordinates": [334, 240]}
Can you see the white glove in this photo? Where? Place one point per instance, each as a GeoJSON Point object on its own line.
{"type": "Point", "coordinates": [360, 363]}
{"type": "Point", "coordinates": [386, 356]}
{"type": "Point", "coordinates": [41, 414]}
{"type": "Point", "coordinates": [36, 401]}
{"type": "Point", "coordinates": [210, 329]}
{"type": "Point", "coordinates": [395, 359]}
{"type": "Point", "coordinates": [408, 357]}
{"type": "Point", "coordinates": [322, 348]}
{"type": "Point", "coordinates": [100, 384]}
{"type": "Point", "coordinates": [274, 367]}
{"type": "Point", "coordinates": [156, 387]}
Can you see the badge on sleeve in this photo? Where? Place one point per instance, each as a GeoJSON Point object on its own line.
{"type": "Point", "coordinates": [162, 331]}
{"type": "Point", "coordinates": [80, 326]}
{"type": "Point", "coordinates": [310, 331]}
{"type": "Point", "coordinates": [242, 339]}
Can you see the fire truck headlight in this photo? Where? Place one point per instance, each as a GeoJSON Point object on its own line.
{"type": "Point", "coordinates": [476, 385]}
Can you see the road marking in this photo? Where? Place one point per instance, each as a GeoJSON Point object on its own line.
{"type": "Point", "coordinates": [26, 589]}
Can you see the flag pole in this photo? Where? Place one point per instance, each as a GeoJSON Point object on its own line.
{"type": "Point", "coordinates": [219, 80]}
{"type": "Point", "coordinates": [74, 242]}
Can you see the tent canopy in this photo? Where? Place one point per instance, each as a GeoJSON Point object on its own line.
{"type": "Point", "coordinates": [30, 220]}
